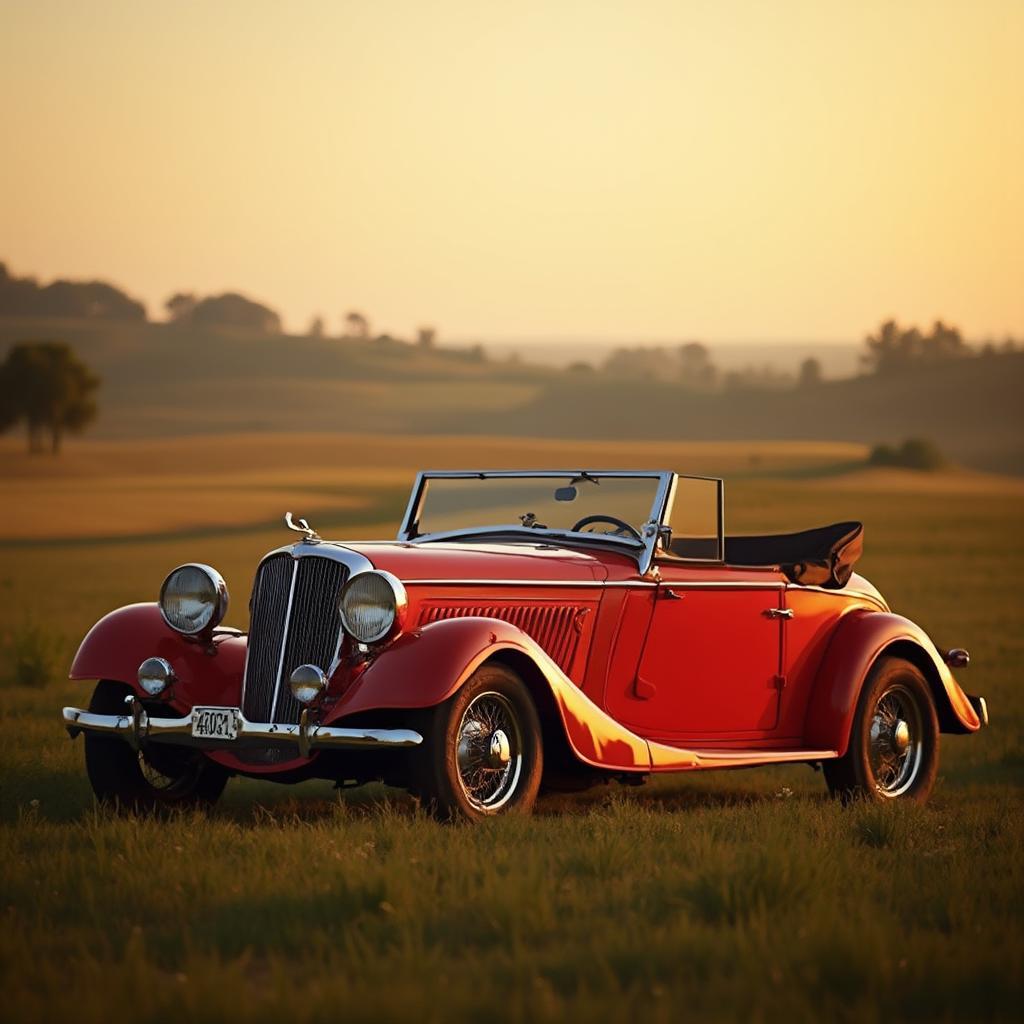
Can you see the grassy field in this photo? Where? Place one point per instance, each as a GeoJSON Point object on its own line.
{"type": "Point", "coordinates": [734, 896]}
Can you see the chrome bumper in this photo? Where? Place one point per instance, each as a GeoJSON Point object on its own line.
{"type": "Point", "coordinates": [137, 728]}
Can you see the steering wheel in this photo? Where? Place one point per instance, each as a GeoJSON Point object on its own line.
{"type": "Point", "coordinates": [622, 528]}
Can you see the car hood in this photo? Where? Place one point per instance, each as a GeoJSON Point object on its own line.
{"type": "Point", "coordinates": [494, 561]}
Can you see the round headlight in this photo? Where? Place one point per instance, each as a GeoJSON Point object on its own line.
{"type": "Point", "coordinates": [193, 598]}
{"type": "Point", "coordinates": [373, 606]}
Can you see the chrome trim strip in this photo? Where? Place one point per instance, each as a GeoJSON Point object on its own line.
{"type": "Point", "coordinates": [607, 585]}
{"type": "Point", "coordinates": [570, 584]}
{"type": "Point", "coordinates": [726, 585]}
{"type": "Point", "coordinates": [846, 592]}
{"type": "Point", "coordinates": [355, 561]}
{"type": "Point", "coordinates": [284, 639]}
{"type": "Point", "coordinates": [532, 533]}
{"type": "Point", "coordinates": [136, 727]}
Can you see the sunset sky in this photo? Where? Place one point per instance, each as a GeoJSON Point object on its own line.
{"type": "Point", "coordinates": [643, 169]}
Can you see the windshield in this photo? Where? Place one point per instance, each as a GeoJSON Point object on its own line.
{"type": "Point", "coordinates": [617, 506]}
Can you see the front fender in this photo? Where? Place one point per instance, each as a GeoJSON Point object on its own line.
{"type": "Point", "coordinates": [426, 667]}
{"type": "Point", "coordinates": [861, 638]}
{"type": "Point", "coordinates": [116, 646]}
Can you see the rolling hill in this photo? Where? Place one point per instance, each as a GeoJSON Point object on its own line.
{"type": "Point", "coordinates": [165, 381]}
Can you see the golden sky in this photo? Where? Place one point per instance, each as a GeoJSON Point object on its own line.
{"type": "Point", "coordinates": [632, 169]}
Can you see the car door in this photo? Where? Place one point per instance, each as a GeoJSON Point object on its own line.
{"type": "Point", "coordinates": [711, 665]}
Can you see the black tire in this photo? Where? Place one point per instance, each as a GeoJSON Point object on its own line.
{"type": "Point", "coordinates": [884, 761]}
{"type": "Point", "coordinates": [162, 778]}
{"type": "Point", "coordinates": [482, 752]}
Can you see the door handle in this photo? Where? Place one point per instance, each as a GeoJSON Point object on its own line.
{"type": "Point", "coordinates": [671, 595]}
{"type": "Point", "coordinates": [779, 613]}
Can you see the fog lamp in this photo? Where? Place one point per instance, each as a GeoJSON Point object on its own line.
{"type": "Point", "coordinates": [307, 683]}
{"type": "Point", "coordinates": [155, 675]}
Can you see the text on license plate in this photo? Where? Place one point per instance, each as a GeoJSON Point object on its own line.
{"type": "Point", "coordinates": [215, 723]}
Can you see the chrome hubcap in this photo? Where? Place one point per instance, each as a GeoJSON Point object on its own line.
{"type": "Point", "coordinates": [489, 752]}
{"type": "Point", "coordinates": [894, 747]}
{"type": "Point", "coordinates": [901, 736]}
{"type": "Point", "coordinates": [500, 753]}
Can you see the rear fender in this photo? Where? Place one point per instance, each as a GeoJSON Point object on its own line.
{"type": "Point", "coordinates": [859, 640]}
{"type": "Point", "coordinates": [116, 646]}
{"type": "Point", "coordinates": [426, 667]}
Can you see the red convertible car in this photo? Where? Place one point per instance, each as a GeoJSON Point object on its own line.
{"type": "Point", "coordinates": [526, 629]}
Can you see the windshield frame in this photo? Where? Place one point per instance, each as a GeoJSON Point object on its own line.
{"type": "Point", "coordinates": [643, 551]}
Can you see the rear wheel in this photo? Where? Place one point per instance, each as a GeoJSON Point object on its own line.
{"type": "Point", "coordinates": [482, 752]}
{"type": "Point", "coordinates": [159, 778]}
{"type": "Point", "coordinates": [894, 742]}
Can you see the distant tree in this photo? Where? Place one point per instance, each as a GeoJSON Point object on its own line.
{"type": "Point", "coordinates": [18, 295]}
{"type": "Point", "coordinates": [46, 385]}
{"type": "Point", "coordinates": [357, 325]}
{"type": "Point", "coordinates": [688, 364]}
{"type": "Point", "coordinates": [810, 373]}
{"type": "Point", "coordinates": [234, 310]}
{"type": "Point", "coordinates": [180, 306]}
{"type": "Point", "coordinates": [893, 349]}
{"type": "Point", "coordinates": [914, 453]}
{"type": "Point", "coordinates": [470, 353]}
{"type": "Point", "coordinates": [944, 342]}
{"type": "Point", "coordinates": [758, 378]}
{"type": "Point", "coordinates": [580, 366]}
{"type": "Point", "coordinates": [316, 327]}
{"type": "Point", "coordinates": [93, 299]}
{"type": "Point", "coordinates": [695, 368]}
{"type": "Point", "coordinates": [426, 337]}
{"type": "Point", "coordinates": [890, 348]}
{"type": "Point", "coordinates": [634, 363]}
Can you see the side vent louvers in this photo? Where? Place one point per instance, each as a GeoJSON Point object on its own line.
{"type": "Point", "coordinates": [553, 627]}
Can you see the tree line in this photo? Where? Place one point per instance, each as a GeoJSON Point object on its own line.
{"type": "Point", "coordinates": [895, 349]}
{"type": "Point", "coordinates": [887, 350]}
{"type": "Point", "coordinates": [25, 296]}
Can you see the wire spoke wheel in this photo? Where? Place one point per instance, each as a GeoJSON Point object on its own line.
{"type": "Point", "coordinates": [893, 748]}
{"type": "Point", "coordinates": [168, 775]}
{"type": "Point", "coordinates": [894, 741]}
{"type": "Point", "coordinates": [155, 779]}
{"type": "Point", "coordinates": [489, 751]}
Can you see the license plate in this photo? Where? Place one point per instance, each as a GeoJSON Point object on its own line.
{"type": "Point", "coordinates": [215, 723]}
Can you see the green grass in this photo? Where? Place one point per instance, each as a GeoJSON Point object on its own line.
{"type": "Point", "coordinates": [738, 895]}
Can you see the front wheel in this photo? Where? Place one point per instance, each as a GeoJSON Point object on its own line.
{"type": "Point", "coordinates": [894, 742]}
{"type": "Point", "coordinates": [159, 778]}
{"type": "Point", "coordinates": [482, 753]}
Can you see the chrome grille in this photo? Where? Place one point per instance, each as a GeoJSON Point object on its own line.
{"type": "Point", "coordinates": [294, 621]}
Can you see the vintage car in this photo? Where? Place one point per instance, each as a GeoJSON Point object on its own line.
{"type": "Point", "coordinates": [526, 629]}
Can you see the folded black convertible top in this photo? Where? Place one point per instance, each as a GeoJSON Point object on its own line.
{"type": "Point", "coordinates": [823, 557]}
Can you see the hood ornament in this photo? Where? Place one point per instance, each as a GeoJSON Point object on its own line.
{"type": "Point", "coordinates": [301, 527]}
